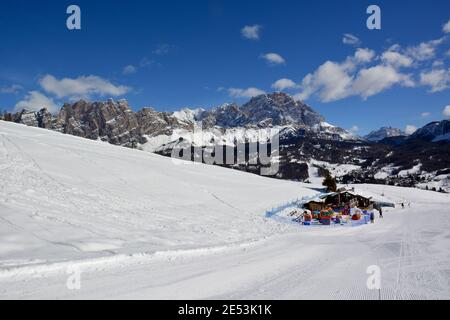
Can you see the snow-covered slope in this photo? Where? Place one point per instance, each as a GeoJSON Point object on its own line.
{"type": "Point", "coordinates": [64, 197]}
{"type": "Point", "coordinates": [137, 225]}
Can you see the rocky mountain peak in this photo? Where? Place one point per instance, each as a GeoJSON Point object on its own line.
{"type": "Point", "coordinates": [280, 109]}
{"type": "Point", "coordinates": [42, 118]}
{"type": "Point", "coordinates": [384, 132]}
{"type": "Point", "coordinates": [110, 120]}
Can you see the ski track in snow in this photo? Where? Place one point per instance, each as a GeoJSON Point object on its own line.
{"type": "Point", "coordinates": [139, 226]}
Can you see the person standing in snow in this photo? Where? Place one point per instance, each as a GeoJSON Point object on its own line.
{"type": "Point", "coordinates": [381, 212]}
{"type": "Point", "coordinates": [372, 217]}
{"type": "Point", "coordinates": [403, 205]}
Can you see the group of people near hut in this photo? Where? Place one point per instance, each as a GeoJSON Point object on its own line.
{"type": "Point", "coordinates": [330, 215]}
{"type": "Point", "coordinates": [338, 208]}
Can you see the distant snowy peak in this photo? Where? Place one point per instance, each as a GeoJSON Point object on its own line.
{"type": "Point", "coordinates": [188, 115]}
{"type": "Point", "coordinates": [434, 131]}
{"type": "Point", "coordinates": [384, 132]}
{"type": "Point", "coordinates": [336, 133]}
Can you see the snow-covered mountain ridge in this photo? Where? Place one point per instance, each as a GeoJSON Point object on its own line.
{"type": "Point", "coordinates": [305, 137]}
{"type": "Point", "coordinates": [115, 122]}
{"type": "Point", "coordinates": [434, 131]}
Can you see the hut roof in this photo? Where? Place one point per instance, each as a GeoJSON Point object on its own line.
{"type": "Point", "coordinates": [380, 200]}
{"type": "Point", "coordinates": [323, 197]}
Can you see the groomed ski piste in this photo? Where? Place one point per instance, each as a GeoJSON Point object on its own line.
{"type": "Point", "coordinates": [136, 225]}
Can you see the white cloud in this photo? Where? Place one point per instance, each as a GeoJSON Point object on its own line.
{"type": "Point", "coordinates": [163, 49]}
{"type": "Point", "coordinates": [35, 101]}
{"type": "Point", "coordinates": [15, 88]}
{"type": "Point", "coordinates": [436, 79]}
{"type": "Point", "coordinates": [130, 69]}
{"type": "Point", "coordinates": [245, 93]}
{"type": "Point", "coordinates": [331, 82]}
{"type": "Point", "coordinates": [251, 32]}
{"type": "Point", "coordinates": [283, 84]}
{"type": "Point", "coordinates": [446, 27]}
{"type": "Point", "coordinates": [334, 81]}
{"type": "Point", "coordinates": [446, 111]}
{"type": "Point", "coordinates": [376, 79]}
{"type": "Point", "coordinates": [437, 63]}
{"type": "Point", "coordinates": [396, 59]}
{"type": "Point", "coordinates": [81, 87]}
{"type": "Point", "coordinates": [410, 129]}
{"type": "Point", "coordinates": [364, 55]}
{"type": "Point", "coordinates": [425, 50]}
{"type": "Point", "coordinates": [145, 62]}
{"type": "Point", "coordinates": [273, 58]}
{"type": "Point", "coordinates": [394, 47]}
{"type": "Point", "coordinates": [354, 129]}
{"type": "Point", "coordinates": [425, 114]}
{"type": "Point", "coordinates": [350, 39]}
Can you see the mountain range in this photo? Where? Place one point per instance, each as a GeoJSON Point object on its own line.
{"type": "Point", "coordinates": [309, 146]}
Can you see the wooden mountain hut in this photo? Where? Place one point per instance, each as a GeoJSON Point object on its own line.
{"type": "Point", "coordinates": [343, 198]}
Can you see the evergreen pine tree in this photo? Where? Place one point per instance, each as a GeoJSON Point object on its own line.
{"type": "Point", "coordinates": [7, 117]}
{"type": "Point", "coordinates": [329, 182]}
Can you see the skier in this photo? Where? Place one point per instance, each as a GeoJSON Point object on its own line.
{"type": "Point", "coordinates": [381, 212]}
{"type": "Point", "coordinates": [403, 205]}
{"type": "Point", "coordinates": [372, 217]}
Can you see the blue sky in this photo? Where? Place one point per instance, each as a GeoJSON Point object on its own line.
{"type": "Point", "coordinates": [173, 54]}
